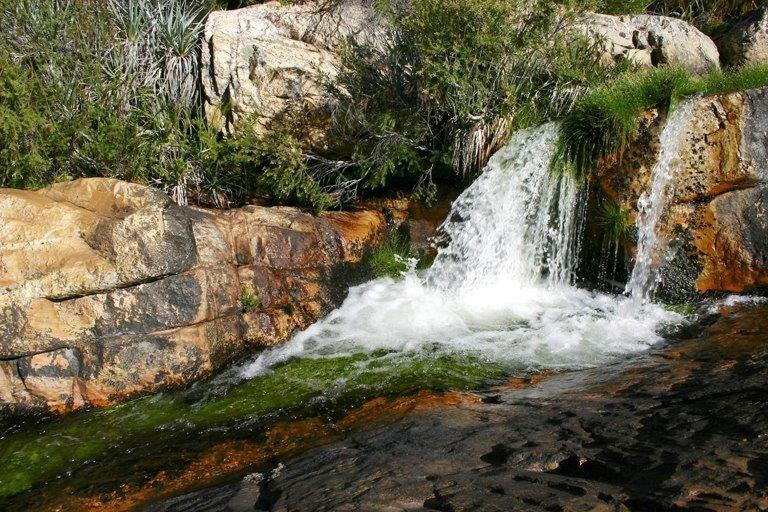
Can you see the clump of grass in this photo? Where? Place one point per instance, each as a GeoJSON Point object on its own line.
{"type": "Point", "coordinates": [391, 259]}
{"type": "Point", "coordinates": [250, 300]}
{"type": "Point", "coordinates": [603, 121]}
{"type": "Point", "coordinates": [724, 82]}
{"type": "Point", "coordinates": [614, 220]}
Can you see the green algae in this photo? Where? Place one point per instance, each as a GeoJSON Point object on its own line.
{"type": "Point", "coordinates": [115, 438]}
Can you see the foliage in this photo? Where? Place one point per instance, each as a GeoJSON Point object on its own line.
{"type": "Point", "coordinates": [614, 220]}
{"type": "Point", "coordinates": [99, 77]}
{"type": "Point", "coordinates": [22, 128]}
{"type": "Point", "coordinates": [724, 82]}
{"type": "Point", "coordinates": [83, 80]}
{"type": "Point", "coordinates": [391, 259]}
{"type": "Point", "coordinates": [603, 121]}
{"type": "Point", "coordinates": [250, 301]}
{"type": "Point", "coordinates": [449, 82]}
{"type": "Point", "coordinates": [248, 164]}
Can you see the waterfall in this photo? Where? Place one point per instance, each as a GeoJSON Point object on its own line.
{"type": "Point", "coordinates": [653, 249]}
{"type": "Point", "coordinates": [501, 290]}
{"type": "Point", "coordinates": [517, 222]}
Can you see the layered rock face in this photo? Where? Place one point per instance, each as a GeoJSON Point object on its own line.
{"type": "Point", "coordinates": [265, 61]}
{"type": "Point", "coordinates": [109, 290]}
{"type": "Point", "coordinates": [746, 41]}
{"type": "Point", "coordinates": [650, 41]}
{"type": "Point", "coordinates": [718, 210]}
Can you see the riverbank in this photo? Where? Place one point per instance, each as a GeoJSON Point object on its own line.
{"type": "Point", "coordinates": [680, 426]}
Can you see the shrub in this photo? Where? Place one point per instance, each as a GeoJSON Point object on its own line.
{"type": "Point", "coordinates": [391, 259]}
{"type": "Point", "coordinates": [451, 81]}
{"type": "Point", "coordinates": [23, 162]}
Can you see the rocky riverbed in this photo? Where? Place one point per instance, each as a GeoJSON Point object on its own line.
{"type": "Point", "coordinates": [684, 427]}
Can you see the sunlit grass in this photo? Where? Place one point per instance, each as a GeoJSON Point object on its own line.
{"type": "Point", "coordinates": [604, 120]}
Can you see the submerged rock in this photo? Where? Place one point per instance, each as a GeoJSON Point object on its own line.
{"type": "Point", "coordinates": [109, 290]}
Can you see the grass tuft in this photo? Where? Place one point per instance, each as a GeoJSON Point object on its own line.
{"type": "Point", "coordinates": [614, 220]}
{"type": "Point", "coordinates": [603, 121]}
{"type": "Point", "coordinates": [391, 259]}
{"type": "Point", "coordinates": [251, 301]}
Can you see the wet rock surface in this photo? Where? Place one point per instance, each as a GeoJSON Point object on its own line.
{"type": "Point", "coordinates": [716, 207]}
{"type": "Point", "coordinates": [109, 290]}
{"type": "Point", "coordinates": [683, 428]}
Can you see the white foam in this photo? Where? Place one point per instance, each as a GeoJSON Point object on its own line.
{"type": "Point", "coordinates": [737, 300]}
{"type": "Point", "coordinates": [500, 291]}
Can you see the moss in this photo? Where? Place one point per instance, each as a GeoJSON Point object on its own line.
{"type": "Point", "coordinates": [179, 422]}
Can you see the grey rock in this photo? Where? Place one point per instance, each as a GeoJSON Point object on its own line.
{"type": "Point", "coordinates": [746, 41]}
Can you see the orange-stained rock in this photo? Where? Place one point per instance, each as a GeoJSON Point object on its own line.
{"type": "Point", "coordinates": [109, 290]}
{"type": "Point", "coordinates": [734, 239]}
{"type": "Point", "coordinates": [716, 213]}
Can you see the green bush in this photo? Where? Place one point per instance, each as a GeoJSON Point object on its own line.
{"type": "Point", "coordinates": [23, 129]}
{"type": "Point", "coordinates": [391, 259]}
{"type": "Point", "coordinates": [454, 78]}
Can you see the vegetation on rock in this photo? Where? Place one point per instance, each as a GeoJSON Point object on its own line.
{"type": "Point", "coordinates": [603, 121]}
{"type": "Point", "coordinates": [111, 88]}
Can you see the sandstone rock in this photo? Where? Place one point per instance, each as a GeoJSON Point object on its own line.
{"type": "Point", "coordinates": [746, 41]}
{"type": "Point", "coordinates": [650, 41]}
{"type": "Point", "coordinates": [109, 290]}
{"type": "Point", "coordinates": [716, 209]}
{"type": "Point", "coordinates": [265, 60]}
{"type": "Point", "coordinates": [734, 240]}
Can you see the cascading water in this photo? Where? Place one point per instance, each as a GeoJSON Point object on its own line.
{"type": "Point", "coordinates": [515, 223]}
{"type": "Point", "coordinates": [653, 249]}
{"type": "Point", "coordinates": [500, 291]}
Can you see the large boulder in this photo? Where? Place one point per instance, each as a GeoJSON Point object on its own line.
{"type": "Point", "coordinates": [717, 214]}
{"type": "Point", "coordinates": [746, 41]}
{"type": "Point", "coordinates": [266, 61]}
{"type": "Point", "coordinates": [109, 290]}
{"type": "Point", "coordinates": [650, 41]}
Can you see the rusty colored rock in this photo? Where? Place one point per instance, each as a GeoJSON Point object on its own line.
{"type": "Point", "coordinates": [716, 212]}
{"type": "Point", "coordinates": [109, 290]}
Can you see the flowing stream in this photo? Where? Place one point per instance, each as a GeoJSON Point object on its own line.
{"type": "Point", "coordinates": [502, 290]}
{"type": "Point", "coordinates": [652, 248]}
{"type": "Point", "coordinates": [499, 300]}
